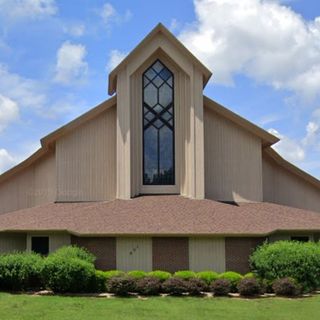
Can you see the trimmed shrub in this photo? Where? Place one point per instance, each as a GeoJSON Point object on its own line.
{"type": "Point", "coordinates": [149, 286]}
{"type": "Point", "coordinates": [195, 286]}
{"type": "Point", "coordinates": [221, 287]}
{"type": "Point", "coordinates": [136, 274]}
{"type": "Point", "coordinates": [161, 275]}
{"type": "Point", "coordinates": [185, 274]}
{"type": "Point", "coordinates": [121, 285]}
{"type": "Point", "coordinates": [20, 271]}
{"type": "Point", "coordinates": [67, 275]}
{"type": "Point", "coordinates": [292, 259]}
{"type": "Point", "coordinates": [248, 287]}
{"type": "Point", "coordinates": [69, 252]}
{"type": "Point", "coordinates": [113, 273]}
{"type": "Point", "coordinates": [249, 275]}
{"type": "Point", "coordinates": [286, 287]}
{"type": "Point", "coordinates": [207, 276]}
{"type": "Point", "coordinates": [175, 286]}
{"type": "Point", "coordinates": [98, 282]}
{"type": "Point", "coordinates": [233, 277]}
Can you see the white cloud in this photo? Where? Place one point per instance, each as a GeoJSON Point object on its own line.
{"type": "Point", "coordinates": [71, 66]}
{"type": "Point", "coordinates": [27, 9]}
{"type": "Point", "coordinates": [264, 40]}
{"type": "Point", "coordinates": [6, 160]}
{"type": "Point", "coordinates": [9, 111]}
{"type": "Point", "coordinates": [288, 148]}
{"type": "Point", "coordinates": [75, 30]}
{"type": "Point", "coordinates": [115, 57]}
{"type": "Point", "coordinates": [109, 14]}
{"type": "Point", "coordinates": [25, 92]}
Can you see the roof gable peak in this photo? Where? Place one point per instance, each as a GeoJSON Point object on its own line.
{"type": "Point", "coordinates": [160, 29]}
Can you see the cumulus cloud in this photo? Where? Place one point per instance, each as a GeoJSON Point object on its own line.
{"type": "Point", "coordinates": [288, 148]}
{"type": "Point", "coordinates": [115, 57]}
{"type": "Point", "coordinates": [27, 9]}
{"type": "Point", "coordinates": [109, 14]}
{"type": "Point", "coordinates": [71, 66]}
{"type": "Point", "coordinates": [6, 160]}
{"type": "Point", "coordinates": [25, 92]}
{"type": "Point", "coordinates": [9, 111]}
{"type": "Point", "coordinates": [264, 40]}
{"type": "Point", "coordinates": [75, 30]}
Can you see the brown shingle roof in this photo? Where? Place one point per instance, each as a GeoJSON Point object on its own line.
{"type": "Point", "coordinates": [161, 215]}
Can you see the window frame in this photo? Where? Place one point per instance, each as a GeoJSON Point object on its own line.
{"type": "Point", "coordinates": [159, 187]}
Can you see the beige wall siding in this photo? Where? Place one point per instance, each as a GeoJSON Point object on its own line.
{"type": "Point", "coordinates": [86, 161]}
{"type": "Point", "coordinates": [233, 169]}
{"type": "Point", "coordinates": [207, 254]}
{"type": "Point", "coordinates": [134, 254]}
{"type": "Point", "coordinates": [32, 186]}
{"type": "Point", "coordinates": [283, 187]}
{"type": "Point", "coordinates": [12, 242]}
{"type": "Point", "coordinates": [56, 240]}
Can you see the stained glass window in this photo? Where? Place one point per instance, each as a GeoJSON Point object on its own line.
{"type": "Point", "coordinates": [158, 126]}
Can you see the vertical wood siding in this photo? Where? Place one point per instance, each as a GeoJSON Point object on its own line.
{"type": "Point", "coordinates": [56, 240]}
{"type": "Point", "coordinates": [32, 186]}
{"type": "Point", "coordinates": [86, 161]}
{"type": "Point", "coordinates": [207, 254]}
{"type": "Point", "coordinates": [12, 242]}
{"type": "Point", "coordinates": [134, 254]}
{"type": "Point", "coordinates": [233, 161]}
{"type": "Point", "coordinates": [283, 187]}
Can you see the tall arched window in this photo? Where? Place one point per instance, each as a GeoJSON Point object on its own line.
{"type": "Point", "coordinates": [158, 126]}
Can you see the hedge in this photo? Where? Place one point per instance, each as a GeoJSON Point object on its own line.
{"type": "Point", "coordinates": [288, 259]}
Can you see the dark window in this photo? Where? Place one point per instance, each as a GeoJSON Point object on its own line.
{"type": "Point", "coordinates": [158, 126]}
{"type": "Point", "coordinates": [300, 238]}
{"type": "Point", "coordinates": [40, 245]}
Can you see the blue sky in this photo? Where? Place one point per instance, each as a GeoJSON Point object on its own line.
{"type": "Point", "coordinates": [265, 57]}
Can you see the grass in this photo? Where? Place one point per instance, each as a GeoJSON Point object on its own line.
{"type": "Point", "coordinates": [36, 307]}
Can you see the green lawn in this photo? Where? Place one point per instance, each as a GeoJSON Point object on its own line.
{"type": "Point", "coordinates": [36, 307]}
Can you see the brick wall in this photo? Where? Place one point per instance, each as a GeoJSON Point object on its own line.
{"type": "Point", "coordinates": [238, 251]}
{"type": "Point", "coordinates": [104, 248]}
{"type": "Point", "coordinates": [170, 254]}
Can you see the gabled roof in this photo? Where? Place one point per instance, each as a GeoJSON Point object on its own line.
{"type": "Point", "coordinates": [161, 215]}
{"type": "Point", "coordinates": [272, 154]}
{"type": "Point", "coordinates": [160, 28]}
{"type": "Point", "coordinates": [267, 138]}
{"type": "Point", "coordinates": [92, 113]}
{"type": "Point", "coordinates": [47, 143]}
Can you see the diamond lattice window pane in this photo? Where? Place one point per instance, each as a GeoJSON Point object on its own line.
{"type": "Point", "coordinates": [165, 74]}
{"type": "Point", "coordinates": [150, 73]}
{"type": "Point", "coordinates": [165, 95]}
{"type": "Point", "coordinates": [158, 66]}
{"type": "Point", "coordinates": [158, 81]}
{"type": "Point", "coordinates": [150, 95]}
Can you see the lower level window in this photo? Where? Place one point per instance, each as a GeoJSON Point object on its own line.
{"type": "Point", "coordinates": [300, 238]}
{"type": "Point", "coordinates": [40, 245]}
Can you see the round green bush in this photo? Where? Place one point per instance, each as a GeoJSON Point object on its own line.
{"type": "Point", "coordinates": [69, 252]}
{"type": "Point", "coordinates": [208, 276]}
{"type": "Point", "coordinates": [67, 275]}
{"type": "Point", "coordinates": [221, 287]}
{"type": "Point", "coordinates": [284, 259]}
{"type": "Point", "coordinates": [195, 286]}
{"type": "Point", "coordinates": [99, 282]}
{"type": "Point", "coordinates": [149, 286]}
{"type": "Point", "coordinates": [286, 287]}
{"type": "Point", "coordinates": [20, 271]}
{"type": "Point", "coordinates": [136, 274]}
{"type": "Point", "coordinates": [248, 287]}
{"type": "Point", "coordinates": [233, 277]}
{"type": "Point", "coordinates": [121, 286]}
{"type": "Point", "coordinates": [161, 275]}
{"type": "Point", "coordinates": [249, 275]}
{"type": "Point", "coordinates": [185, 274]}
{"type": "Point", "coordinates": [175, 286]}
{"type": "Point", "coordinates": [113, 273]}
